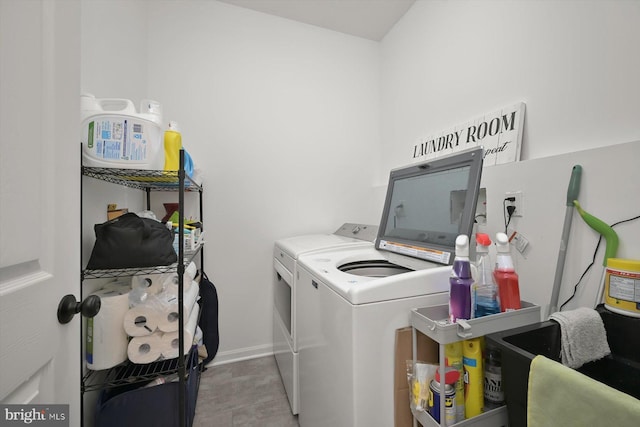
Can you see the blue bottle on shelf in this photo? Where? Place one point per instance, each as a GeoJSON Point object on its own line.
{"type": "Point", "coordinates": [486, 291]}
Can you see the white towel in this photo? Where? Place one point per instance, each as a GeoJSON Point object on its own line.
{"type": "Point", "coordinates": [583, 336]}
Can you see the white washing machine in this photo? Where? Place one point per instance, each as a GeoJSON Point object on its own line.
{"type": "Point", "coordinates": [285, 257]}
{"type": "Point", "coordinates": [351, 301]}
{"type": "Point", "coordinates": [346, 332]}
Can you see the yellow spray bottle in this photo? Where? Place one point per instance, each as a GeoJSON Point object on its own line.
{"type": "Point", "coordinates": [453, 356]}
{"type": "Point", "coordinates": [473, 377]}
{"type": "Point", "coordinates": [172, 145]}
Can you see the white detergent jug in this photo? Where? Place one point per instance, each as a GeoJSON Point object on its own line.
{"type": "Point", "coordinates": [114, 135]}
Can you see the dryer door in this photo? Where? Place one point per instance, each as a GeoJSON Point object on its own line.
{"type": "Point", "coordinates": [284, 348]}
{"type": "Point", "coordinates": [283, 296]}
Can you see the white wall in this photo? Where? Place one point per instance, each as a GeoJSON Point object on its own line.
{"type": "Point", "coordinates": [114, 49]}
{"type": "Point", "coordinates": [572, 62]}
{"type": "Point", "coordinates": [574, 65]}
{"type": "Point", "coordinates": [609, 181]}
{"type": "Point", "coordinates": [113, 65]}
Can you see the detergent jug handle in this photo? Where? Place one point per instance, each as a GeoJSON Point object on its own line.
{"type": "Point", "coordinates": [117, 105]}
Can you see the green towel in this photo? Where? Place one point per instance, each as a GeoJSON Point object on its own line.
{"type": "Point", "coordinates": [560, 396]}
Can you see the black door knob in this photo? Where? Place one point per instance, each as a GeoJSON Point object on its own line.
{"type": "Point", "coordinates": [68, 307]}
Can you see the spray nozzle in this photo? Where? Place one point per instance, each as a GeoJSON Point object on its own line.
{"type": "Point", "coordinates": [502, 242]}
{"type": "Point", "coordinates": [462, 245]}
{"type": "Point", "coordinates": [174, 126]}
{"type": "Point", "coordinates": [483, 239]}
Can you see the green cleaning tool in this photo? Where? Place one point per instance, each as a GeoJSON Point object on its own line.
{"type": "Point", "coordinates": [610, 236]}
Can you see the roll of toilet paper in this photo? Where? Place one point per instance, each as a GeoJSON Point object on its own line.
{"type": "Point", "coordinates": [170, 340]}
{"type": "Point", "coordinates": [142, 320]}
{"type": "Point", "coordinates": [171, 283]}
{"type": "Point", "coordinates": [106, 339]}
{"type": "Point", "coordinates": [145, 349]}
{"type": "Point", "coordinates": [197, 339]}
{"type": "Point", "coordinates": [168, 319]}
{"type": "Point", "coordinates": [152, 283]}
{"type": "Point", "coordinates": [118, 283]}
{"type": "Point", "coordinates": [191, 270]}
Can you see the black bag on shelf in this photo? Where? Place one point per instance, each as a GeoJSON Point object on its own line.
{"type": "Point", "coordinates": [209, 317]}
{"type": "Point", "coordinates": [130, 241]}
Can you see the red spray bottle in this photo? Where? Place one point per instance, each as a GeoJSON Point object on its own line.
{"type": "Point", "coordinates": [505, 275]}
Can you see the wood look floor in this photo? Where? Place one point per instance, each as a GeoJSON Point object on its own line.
{"type": "Point", "coordinates": [243, 394]}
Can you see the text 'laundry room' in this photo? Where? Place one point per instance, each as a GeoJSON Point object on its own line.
{"type": "Point", "coordinates": [319, 213]}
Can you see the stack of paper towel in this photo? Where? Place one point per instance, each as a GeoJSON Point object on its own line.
{"type": "Point", "coordinates": [106, 341]}
{"type": "Point", "coordinates": [153, 322]}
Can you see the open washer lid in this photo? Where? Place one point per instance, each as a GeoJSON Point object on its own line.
{"type": "Point", "coordinates": [429, 204]}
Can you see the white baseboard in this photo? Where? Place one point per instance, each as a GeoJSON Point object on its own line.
{"type": "Point", "coordinates": [224, 357]}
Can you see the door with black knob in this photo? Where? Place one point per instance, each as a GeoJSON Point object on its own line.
{"type": "Point", "coordinates": [39, 204]}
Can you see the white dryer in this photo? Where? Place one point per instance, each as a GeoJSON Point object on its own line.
{"type": "Point", "coordinates": [351, 301]}
{"type": "Point", "coordinates": [285, 256]}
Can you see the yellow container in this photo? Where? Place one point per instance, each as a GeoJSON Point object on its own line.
{"type": "Point", "coordinates": [453, 356]}
{"type": "Point", "coordinates": [473, 377]}
{"type": "Point", "coordinates": [622, 286]}
{"type": "Point", "coordinates": [172, 145]}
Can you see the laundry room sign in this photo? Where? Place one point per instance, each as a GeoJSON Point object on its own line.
{"type": "Point", "coordinates": [499, 133]}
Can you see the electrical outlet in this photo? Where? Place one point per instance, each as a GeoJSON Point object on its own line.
{"type": "Point", "coordinates": [518, 202]}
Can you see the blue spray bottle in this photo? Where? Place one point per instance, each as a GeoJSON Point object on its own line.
{"type": "Point", "coordinates": [486, 291]}
{"type": "Point", "coordinates": [460, 282]}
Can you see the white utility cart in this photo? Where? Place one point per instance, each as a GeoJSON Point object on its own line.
{"type": "Point", "coordinates": [433, 322]}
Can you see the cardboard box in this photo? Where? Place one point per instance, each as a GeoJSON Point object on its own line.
{"type": "Point", "coordinates": [427, 352]}
{"type": "Point", "coordinates": [114, 212]}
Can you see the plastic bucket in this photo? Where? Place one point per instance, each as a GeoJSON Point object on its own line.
{"type": "Point", "coordinates": [622, 286]}
{"type": "Point", "coordinates": [115, 135]}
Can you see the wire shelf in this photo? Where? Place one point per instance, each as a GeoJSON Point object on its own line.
{"type": "Point", "coordinates": [121, 272]}
{"type": "Point", "coordinates": [124, 272]}
{"type": "Point", "coordinates": [142, 179]}
{"type": "Point", "coordinates": [130, 373]}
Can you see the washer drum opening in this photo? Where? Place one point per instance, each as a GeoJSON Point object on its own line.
{"type": "Point", "coordinates": [381, 268]}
